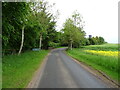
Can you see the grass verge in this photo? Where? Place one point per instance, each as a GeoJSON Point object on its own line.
{"type": "Point", "coordinates": [104, 64]}
{"type": "Point", "coordinates": [18, 70]}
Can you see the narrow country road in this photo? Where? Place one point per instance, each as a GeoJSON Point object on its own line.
{"type": "Point", "coordinates": [60, 71]}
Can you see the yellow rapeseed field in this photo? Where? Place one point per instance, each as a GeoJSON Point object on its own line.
{"type": "Point", "coordinates": [105, 53]}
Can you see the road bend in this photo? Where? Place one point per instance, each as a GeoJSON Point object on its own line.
{"type": "Point", "coordinates": [60, 71]}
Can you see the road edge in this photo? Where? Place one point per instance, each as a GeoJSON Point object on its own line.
{"type": "Point", "coordinates": [38, 73]}
{"type": "Point", "coordinates": [100, 75]}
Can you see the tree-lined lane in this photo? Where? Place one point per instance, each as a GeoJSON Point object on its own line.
{"type": "Point", "coordinates": [62, 72]}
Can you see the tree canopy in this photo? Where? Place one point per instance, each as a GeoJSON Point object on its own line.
{"type": "Point", "coordinates": [28, 25]}
{"type": "Point", "coordinates": [36, 20]}
{"type": "Point", "coordinates": [73, 31]}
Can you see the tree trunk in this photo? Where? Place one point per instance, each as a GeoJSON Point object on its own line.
{"type": "Point", "coordinates": [40, 41]}
{"type": "Point", "coordinates": [71, 45]}
{"type": "Point", "coordinates": [22, 41]}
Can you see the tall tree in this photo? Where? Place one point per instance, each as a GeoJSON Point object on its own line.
{"type": "Point", "coordinates": [73, 30]}
{"type": "Point", "coordinates": [44, 18]}
{"type": "Point", "coordinates": [46, 21]}
{"type": "Point", "coordinates": [13, 18]}
{"type": "Point", "coordinates": [25, 11]}
{"type": "Point", "coordinates": [71, 33]}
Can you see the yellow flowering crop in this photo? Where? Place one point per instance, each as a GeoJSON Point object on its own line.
{"type": "Point", "coordinates": [105, 53]}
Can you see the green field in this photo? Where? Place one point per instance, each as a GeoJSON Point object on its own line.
{"type": "Point", "coordinates": [106, 64]}
{"type": "Point", "coordinates": [105, 47]}
{"type": "Point", "coordinates": [18, 70]}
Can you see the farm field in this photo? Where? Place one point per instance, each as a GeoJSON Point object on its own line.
{"type": "Point", "coordinates": [18, 70]}
{"type": "Point", "coordinates": [101, 57]}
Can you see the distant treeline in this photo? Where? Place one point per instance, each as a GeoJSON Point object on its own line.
{"type": "Point", "coordinates": [28, 25]}
{"type": "Point", "coordinates": [95, 41]}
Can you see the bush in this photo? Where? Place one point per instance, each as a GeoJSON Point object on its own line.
{"type": "Point", "coordinates": [53, 44]}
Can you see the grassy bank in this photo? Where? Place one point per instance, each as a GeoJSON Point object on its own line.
{"type": "Point", "coordinates": [18, 70]}
{"type": "Point", "coordinates": [106, 64]}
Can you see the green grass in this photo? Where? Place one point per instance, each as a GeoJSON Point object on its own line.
{"type": "Point", "coordinates": [18, 70]}
{"type": "Point", "coordinates": [62, 47]}
{"type": "Point", "coordinates": [105, 47]}
{"type": "Point", "coordinates": [106, 64]}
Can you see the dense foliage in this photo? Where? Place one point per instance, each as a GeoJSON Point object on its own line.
{"type": "Point", "coordinates": [96, 40]}
{"type": "Point", "coordinates": [14, 16]}
{"type": "Point", "coordinates": [34, 18]}
{"type": "Point", "coordinates": [28, 25]}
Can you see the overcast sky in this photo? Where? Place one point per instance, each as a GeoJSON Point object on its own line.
{"type": "Point", "coordinates": [100, 16]}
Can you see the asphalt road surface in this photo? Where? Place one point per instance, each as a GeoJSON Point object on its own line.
{"type": "Point", "coordinates": [61, 71]}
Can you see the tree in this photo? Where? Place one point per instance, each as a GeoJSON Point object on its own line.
{"type": "Point", "coordinates": [22, 41]}
{"type": "Point", "coordinates": [27, 25]}
{"type": "Point", "coordinates": [101, 40]}
{"type": "Point", "coordinates": [73, 31]}
{"type": "Point", "coordinates": [25, 10]}
{"type": "Point", "coordinates": [96, 40]}
{"type": "Point", "coordinates": [13, 22]}
{"type": "Point", "coordinates": [46, 21]}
